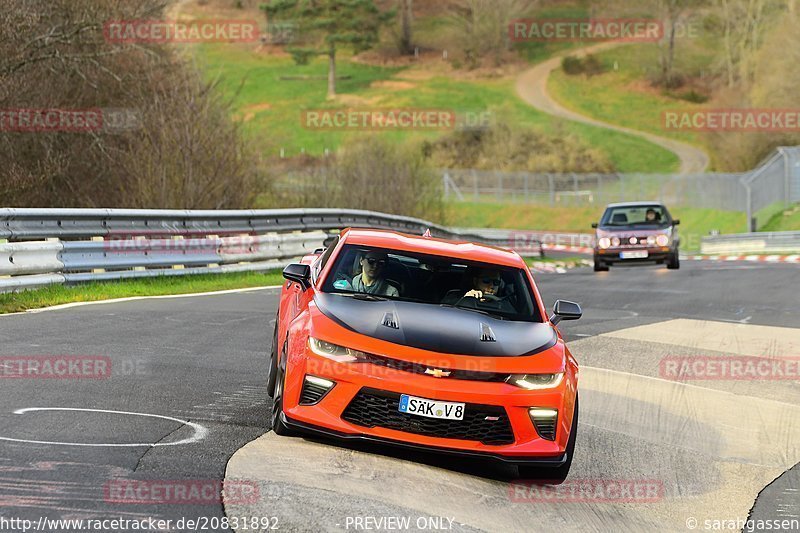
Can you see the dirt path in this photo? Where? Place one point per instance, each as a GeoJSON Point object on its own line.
{"type": "Point", "coordinates": [532, 87]}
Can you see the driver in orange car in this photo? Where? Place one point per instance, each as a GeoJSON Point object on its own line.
{"type": "Point", "coordinates": [371, 279]}
{"type": "Point", "coordinates": [485, 283]}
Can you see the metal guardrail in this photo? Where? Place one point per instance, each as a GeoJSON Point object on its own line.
{"type": "Point", "coordinates": [756, 243]}
{"type": "Point", "coordinates": [110, 244]}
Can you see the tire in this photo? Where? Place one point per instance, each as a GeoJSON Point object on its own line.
{"type": "Point", "coordinates": [674, 261]}
{"type": "Point", "coordinates": [599, 266]}
{"type": "Point", "coordinates": [273, 362]}
{"type": "Point", "coordinates": [555, 475]}
{"type": "Point", "coordinates": [277, 403]}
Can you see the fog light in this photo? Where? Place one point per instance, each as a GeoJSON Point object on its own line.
{"type": "Point", "coordinates": [544, 420]}
{"type": "Point", "coordinates": [314, 389]}
{"type": "Point", "coordinates": [633, 240]}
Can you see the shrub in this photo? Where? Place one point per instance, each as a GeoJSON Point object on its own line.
{"type": "Point", "coordinates": [368, 173]}
{"type": "Point", "coordinates": [589, 65]}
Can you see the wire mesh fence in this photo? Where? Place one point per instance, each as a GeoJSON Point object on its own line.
{"type": "Point", "coordinates": [772, 186]}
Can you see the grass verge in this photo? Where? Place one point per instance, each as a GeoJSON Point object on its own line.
{"type": "Point", "coordinates": [786, 220]}
{"type": "Point", "coordinates": [695, 222]}
{"type": "Point", "coordinates": [164, 285]}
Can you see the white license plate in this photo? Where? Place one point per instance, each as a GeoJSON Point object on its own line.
{"type": "Point", "coordinates": [431, 408]}
{"type": "Point", "coordinates": [636, 254]}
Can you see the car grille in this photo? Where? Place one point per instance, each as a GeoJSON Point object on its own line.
{"type": "Point", "coordinates": [311, 393]}
{"type": "Point", "coordinates": [484, 423]}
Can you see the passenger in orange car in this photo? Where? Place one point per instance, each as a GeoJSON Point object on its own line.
{"type": "Point", "coordinates": [371, 279]}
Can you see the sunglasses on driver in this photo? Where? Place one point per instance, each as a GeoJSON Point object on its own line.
{"type": "Point", "coordinates": [373, 261]}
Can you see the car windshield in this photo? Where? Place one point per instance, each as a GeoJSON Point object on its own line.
{"type": "Point", "coordinates": [636, 215]}
{"type": "Point", "coordinates": [378, 273]}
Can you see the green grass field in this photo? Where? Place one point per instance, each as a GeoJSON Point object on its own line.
{"type": "Point", "coordinates": [624, 96]}
{"type": "Point", "coordinates": [695, 223]}
{"type": "Point", "coordinates": [786, 220]}
{"type": "Point", "coordinates": [270, 108]}
{"type": "Point", "coordinates": [90, 292]}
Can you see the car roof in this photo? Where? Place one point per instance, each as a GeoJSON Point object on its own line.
{"type": "Point", "coordinates": [468, 251]}
{"type": "Point", "coordinates": [635, 204]}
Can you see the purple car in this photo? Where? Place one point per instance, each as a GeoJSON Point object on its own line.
{"type": "Point", "coordinates": [636, 232]}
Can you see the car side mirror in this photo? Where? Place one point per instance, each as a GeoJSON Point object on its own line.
{"type": "Point", "coordinates": [676, 222]}
{"type": "Point", "coordinates": [299, 273]}
{"type": "Point", "coordinates": [594, 225]}
{"type": "Point", "coordinates": [565, 310]}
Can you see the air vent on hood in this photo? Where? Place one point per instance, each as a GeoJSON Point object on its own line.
{"type": "Point", "coordinates": [487, 335]}
{"type": "Point", "coordinates": [390, 322]}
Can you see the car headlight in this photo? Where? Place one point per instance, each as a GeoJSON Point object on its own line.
{"type": "Point", "coordinates": [651, 240]}
{"type": "Point", "coordinates": [615, 241]}
{"type": "Point", "coordinates": [536, 381]}
{"type": "Point", "coordinates": [662, 240]}
{"type": "Point", "coordinates": [336, 352]}
{"type": "Point", "coordinates": [604, 243]}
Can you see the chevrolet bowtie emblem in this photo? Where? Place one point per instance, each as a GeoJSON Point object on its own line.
{"type": "Point", "coordinates": [435, 372]}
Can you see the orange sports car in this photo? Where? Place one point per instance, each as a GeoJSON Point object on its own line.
{"type": "Point", "coordinates": [427, 343]}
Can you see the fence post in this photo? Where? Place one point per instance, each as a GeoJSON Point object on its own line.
{"type": "Point", "coordinates": [525, 185]}
{"type": "Point", "coordinates": [787, 190]}
{"type": "Point", "coordinates": [749, 201]}
{"type": "Point", "coordinates": [575, 188]}
{"type": "Point", "coordinates": [499, 182]}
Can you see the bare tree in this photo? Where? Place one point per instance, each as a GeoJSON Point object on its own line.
{"type": "Point", "coordinates": [482, 26]}
{"type": "Point", "coordinates": [53, 54]}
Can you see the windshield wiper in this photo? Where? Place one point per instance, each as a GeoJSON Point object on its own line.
{"type": "Point", "coordinates": [362, 296]}
{"type": "Point", "coordinates": [481, 311]}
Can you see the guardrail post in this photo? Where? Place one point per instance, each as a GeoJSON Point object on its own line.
{"type": "Point", "coordinates": [97, 270]}
{"type": "Point", "coordinates": [178, 238]}
{"type": "Point", "coordinates": [209, 237]}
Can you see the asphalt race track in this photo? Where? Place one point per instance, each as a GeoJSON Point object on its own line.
{"type": "Point", "coordinates": [703, 450]}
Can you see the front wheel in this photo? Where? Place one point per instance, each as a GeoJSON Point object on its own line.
{"type": "Point", "coordinates": [555, 475]}
{"type": "Point", "coordinates": [278, 425]}
{"type": "Point", "coordinates": [674, 261]}
{"type": "Point", "coordinates": [599, 266]}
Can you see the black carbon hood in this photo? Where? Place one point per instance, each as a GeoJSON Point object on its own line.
{"type": "Point", "coordinates": [435, 328]}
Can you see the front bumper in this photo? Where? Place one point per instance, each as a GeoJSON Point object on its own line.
{"type": "Point", "coordinates": [612, 255]}
{"type": "Point", "coordinates": [545, 462]}
{"type": "Point", "coordinates": [525, 446]}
